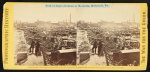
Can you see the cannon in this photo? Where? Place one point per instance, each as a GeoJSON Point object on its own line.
{"type": "Point", "coordinates": [65, 55]}
{"type": "Point", "coordinates": [130, 57]}
{"type": "Point", "coordinates": [127, 57]}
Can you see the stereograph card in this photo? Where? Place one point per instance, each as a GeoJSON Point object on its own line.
{"type": "Point", "coordinates": [74, 36]}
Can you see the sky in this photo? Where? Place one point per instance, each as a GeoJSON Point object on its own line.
{"type": "Point", "coordinates": [115, 12]}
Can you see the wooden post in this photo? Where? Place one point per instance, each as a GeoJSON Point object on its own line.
{"type": "Point", "coordinates": [44, 57]}
{"type": "Point", "coordinates": [105, 54]}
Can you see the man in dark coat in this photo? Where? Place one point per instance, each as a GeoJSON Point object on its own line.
{"type": "Point", "coordinates": [32, 46]}
{"type": "Point", "coordinates": [94, 46]}
{"type": "Point", "coordinates": [100, 52]}
{"type": "Point", "coordinates": [37, 48]}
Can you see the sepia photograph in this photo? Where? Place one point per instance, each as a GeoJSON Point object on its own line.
{"type": "Point", "coordinates": [109, 36]}
{"type": "Point", "coordinates": [44, 36]}
{"type": "Point", "coordinates": [86, 35]}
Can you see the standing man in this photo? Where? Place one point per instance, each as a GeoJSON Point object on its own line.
{"type": "Point", "coordinates": [32, 46]}
{"type": "Point", "coordinates": [37, 48]}
{"type": "Point", "coordinates": [94, 46]}
{"type": "Point", "coordinates": [100, 52]}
